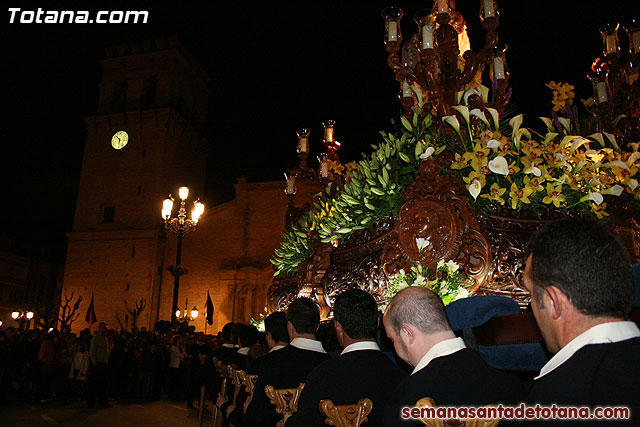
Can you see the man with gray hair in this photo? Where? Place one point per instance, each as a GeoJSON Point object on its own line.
{"type": "Point", "coordinates": [444, 369]}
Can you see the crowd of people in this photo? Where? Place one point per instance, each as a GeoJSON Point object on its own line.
{"type": "Point", "coordinates": [582, 288]}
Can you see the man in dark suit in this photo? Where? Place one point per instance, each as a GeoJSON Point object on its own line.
{"type": "Point", "coordinates": [444, 369]}
{"type": "Point", "coordinates": [361, 370]}
{"type": "Point", "coordinates": [581, 282]}
{"type": "Point", "coordinates": [289, 366]}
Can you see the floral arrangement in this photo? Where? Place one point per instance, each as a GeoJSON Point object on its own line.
{"type": "Point", "coordinates": [502, 163]}
{"type": "Point", "coordinates": [448, 281]}
{"type": "Point", "coordinates": [259, 324]}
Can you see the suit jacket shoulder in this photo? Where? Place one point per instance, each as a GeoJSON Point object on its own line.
{"type": "Point", "coordinates": [346, 379]}
{"type": "Point", "coordinates": [596, 375]}
{"type": "Point", "coordinates": [459, 379]}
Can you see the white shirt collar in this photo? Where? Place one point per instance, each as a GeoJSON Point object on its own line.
{"type": "Point", "coordinates": [243, 350]}
{"type": "Point", "coordinates": [228, 345]}
{"type": "Point", "coordinates": [276, 347]}
{"type": "Point", "coordinates": [443, 348]}
{"type": "Point", "coordinates": [307, 344]}
{"type": "Point", "coordinates": [361, 345]}
{"type": "Point", "coordinates": [600, 334]}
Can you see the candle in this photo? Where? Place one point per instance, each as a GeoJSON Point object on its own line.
{"type": "Point", "coordinates": [443, 6]}
{"type": "Point", "coordinates": [601, 91]}
{"type": "Point", "coordinates": [427, 36]}
{"type": "Point", "coordinates": [328, 134]}
{"type": "Point", "coordinates": [392, 31]}
{"type": "Point", "coordinates": [406, 90]}
{"type": "Point", "coordinates": [498, 68]}
{"type": "Point", "coordinates": [324, 169]}
{"type": "Point", "coordinates": [303, 144]}
{"type": "Point", "coordinates": [488, 9]}
{"type": "Point", "coordinates": [635, 37]}
{"type": "Point", "coordinates": [611, 44]}
{"type": "Point", "coordinates": [291, 185]}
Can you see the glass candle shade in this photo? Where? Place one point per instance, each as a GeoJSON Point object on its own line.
{"type": "Point", "coordinates": [324, 165]}
{"type": "Point", "coordinates": [392, 31]}
{"type": "Point", "coordinates": [290, 188]}
{"type": "Point", "coordinates": [611, 44]}
{"type": "Point", "coordinates": [328, 130]}
{"type": "Point", "coordinates": [489, 9]}
{"type": "Point", "coordinates": [633, 33]}
{"type": "Point", "coordinates": [499, 69]}
{"type": "Point", "coordinates": [600, 87]}
{"type": "Point", "coordinates": [406, 89]}
{"type": "Point", "coordinates": [426, 27]}
{"type": "Point", "coordinates": [303, 140]}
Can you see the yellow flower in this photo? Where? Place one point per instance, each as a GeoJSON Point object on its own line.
{"type": "Point", "coordinates": [519, 194]}
{"type": "Point", "coordinates": [588, 102]}
{"type": "Point", "coordinates": [599, 210]}
{"type": "Point", "coordinates": [513, 169]}
{"type": "Point", "coordinates": [352, 166]}
{"type": "Point", "coordinates": [534, 183]}
{"type": "Point", "coordinates": [562, 95]}
{"type": "Point", "coordinates": [475, 175]}
{"type": "Point", "coordinates": [336, 167]}
{"type": "Point", "coordinates": [494, 193]}
{"type": "Point", "coordinates": [554, 195]}
{"type": "Point", "coordinates": [460, 162]}
{"type": "Point", "coordinates": [478, 157]}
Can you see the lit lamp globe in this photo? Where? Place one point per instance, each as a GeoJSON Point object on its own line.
{"type": "Point", "coordinates": [177, 313]}
{"type": "Point", "coordinates": [29, 315]}
{"type": "Point", "coordinates": [167, 207]}
{"type": "Point", "coordinates": [194, 312]}
{"type": "Point", "coordinates": [15, 315]}
{"type": "Point", "coordinates": [198, 210]}
{"type": "Point", "coordinates": [183, 192]}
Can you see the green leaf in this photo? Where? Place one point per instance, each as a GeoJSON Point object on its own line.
{"type": "Point", "coordinates": [405, 157]}
{"type": "Point", "coordinates": [406, 124]}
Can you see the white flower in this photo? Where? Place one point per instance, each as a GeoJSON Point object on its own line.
{"type": "Point", "coordinates": [596, 197]}
{"type": "Point", "coordinates": [420, 281]}
{"type": "Point", "coordinates": [534, 170]}
{"type": "Point", "coordinates": [499, 165]}
{"type": "Point", "coordinates": [453, 122]}
{"type": "Point", "coordinates": [452, 266]}
{"type": "Point", "coordinates": [479, 114]}
{"type": "Point", "coordinates": [440, 264]}
{"type": "Point", "coordinates": [548, 123]}
{"type": "Point", "coordinates": [493, 143]}
{"type": "Point", "coordinates": [475, 188]}
{"type": "Point", "coordinates": [516, 122]}
{"type": "Point", "coordinates": [566, 123]}
{"type": "Point", "coordinates": [422, 243]}
{"type": "Point", "coordinates": [616, 190]}
{"type": "Point", "coordinates": [494, 117]}
{"type": "Point", "coordinates": [429, 151]}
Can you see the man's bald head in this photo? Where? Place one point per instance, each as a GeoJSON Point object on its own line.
{"type": "Point", "coordinates": [419, 307]}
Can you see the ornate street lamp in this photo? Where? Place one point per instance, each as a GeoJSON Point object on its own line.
{"type": "Point", "coordinates": [185, 315]}
{"type": "Point", "coordinates": [22, 317]}
{"type": "Point", "coordinates": [181, 225]}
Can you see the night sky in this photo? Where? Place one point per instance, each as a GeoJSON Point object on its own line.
{"type": "Point", "coordinates": [273, 67]}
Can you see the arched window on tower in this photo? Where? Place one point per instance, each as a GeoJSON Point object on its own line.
{"type": "Point", "coordinates": [119, 99]}
{"type": "Point", "coordinates": [149, 92]}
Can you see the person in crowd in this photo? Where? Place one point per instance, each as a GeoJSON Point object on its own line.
{"type": "Point", "coordinates": [581, 283]}
{"type": "Point", "coordinates": [46, 358]}
{"type": "Point", "coordinates": [289, 366]}
{"type": "Point", "coordinates": [361, 370]}
{"type": "Point", "coordinates": [99, 357]}
{"type": "Point", "coordinates": [444, 369]}
{"type": "Point", "coordinates": [178, 354]}
{"type": "Point", "coordinates": [79, 369]}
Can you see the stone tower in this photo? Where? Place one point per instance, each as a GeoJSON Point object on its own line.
{"type": "Point", "coordinates": [144, 141]}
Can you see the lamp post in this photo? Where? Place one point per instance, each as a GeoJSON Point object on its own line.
{"type": "Point", "coordinates": [181, 225]}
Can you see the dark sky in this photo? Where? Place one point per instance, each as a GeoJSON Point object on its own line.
{"type": "Point", "coordinates": [274, 67]}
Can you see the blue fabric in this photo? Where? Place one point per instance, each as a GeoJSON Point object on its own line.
{"type": "Point", "coordinates": [636, 294]}
{"type": "Point", "coordinates": [477, 310]}
{"type": "Point", "coordinates": [515, 357]}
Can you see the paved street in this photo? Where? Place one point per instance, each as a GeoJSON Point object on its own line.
{"type": "Point", "coordinates": [160, 413]}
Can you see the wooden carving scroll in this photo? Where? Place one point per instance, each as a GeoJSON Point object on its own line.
{"type": "Point", "coordinates": [437, 209]}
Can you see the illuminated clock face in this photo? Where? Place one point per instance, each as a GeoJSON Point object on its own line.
{"type": "Point", "coordinates": [119, 139]}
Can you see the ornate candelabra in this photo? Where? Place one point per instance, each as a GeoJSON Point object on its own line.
{"type": "Point", "coordinates": [322, 175]}
{"type": "Point", "coordinates": [22, 317]}
{"type": "Point", "coordinates": [437, 61]}
{"type": "Point", "coordinates": [616, 87]}
{"type": "Point", "coordinates": [180, 225]}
